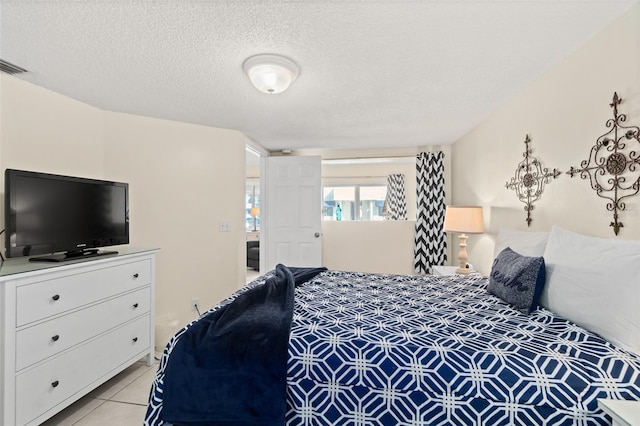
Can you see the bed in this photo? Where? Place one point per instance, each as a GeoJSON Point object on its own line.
{"type": "Point", "coordinates": [381, 349]}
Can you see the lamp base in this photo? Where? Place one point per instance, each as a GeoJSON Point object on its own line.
{"type": "Point", "coordinates": [462, 271]}
{"type": "Point", "coordinates": [462, 256]}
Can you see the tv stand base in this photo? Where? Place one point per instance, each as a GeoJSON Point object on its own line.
{"type": "Point", "coordinates": [74, 255]}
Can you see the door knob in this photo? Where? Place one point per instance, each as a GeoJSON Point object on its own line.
{"type": "Point", "coordinates": [317, 235]}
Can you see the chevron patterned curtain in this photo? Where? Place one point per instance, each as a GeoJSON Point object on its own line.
{"type": "Point", "coordinates": [430, 240]}
{"type": "Point", "coordinates": [396, 200]}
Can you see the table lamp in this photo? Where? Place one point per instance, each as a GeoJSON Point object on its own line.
{"type": "Point", "coordinates": [254, 212]}
{"type": "Point", "coordinates": [465, 220]}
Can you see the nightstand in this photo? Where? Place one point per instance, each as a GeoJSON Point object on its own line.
{"type": "Point", "coordinates": [623, 413]}
{"type": "Point", "coordinates": [446, 270]}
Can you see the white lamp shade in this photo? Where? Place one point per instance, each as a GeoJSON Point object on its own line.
{"type": "Point", "coordinates": [270, 73]}
{"type": "Point", "coordinates": [464, 219]}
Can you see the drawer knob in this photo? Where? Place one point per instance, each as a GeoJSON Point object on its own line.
{"type": "Point", "coordinates": [55, 384]}
{"type": "Point", "coordinates": [56, 297]}
{"type": "Point", "coordinates": [136, 275]}
{"type": "Point", "coordinates": [135, 305]}
{"type": "Point", "coordinates": [55, 338]}
{"type": "Point", "coordinates": [135, 339]}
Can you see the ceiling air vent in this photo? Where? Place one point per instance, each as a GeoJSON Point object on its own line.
{"type": "Point", "coordinates": [9, 68]}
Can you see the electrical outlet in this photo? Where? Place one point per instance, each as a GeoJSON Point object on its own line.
{"type": "Point", "coordinates": [224, 226]}
{"type": "Point", "coordinates": [195, 304]}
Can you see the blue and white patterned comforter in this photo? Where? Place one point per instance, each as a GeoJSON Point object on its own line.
{"type": "Point", "coordinates": [373, 349]}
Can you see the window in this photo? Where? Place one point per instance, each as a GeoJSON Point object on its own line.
{"type": "Point", "coordinates": [371, 202]}
{"type": "Point", "coordinates": [355, 202]}
{"type": "Point", "coordinates": [252, 197]}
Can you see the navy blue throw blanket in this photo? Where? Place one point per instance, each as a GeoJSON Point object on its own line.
{"type": "Point", "coordinates": [230, 366]}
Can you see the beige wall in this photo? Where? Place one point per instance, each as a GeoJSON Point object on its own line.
{"type": "Point", "coordinates": [564, 112]}
{"type": "Point", "coordinates": [377, 246]}
{"type": "Point", "coordinates": [182, 186]}
{"type": "Point", "coordinates": [42, 130]}
{"type": "Point", "coordinates": [183, 179]}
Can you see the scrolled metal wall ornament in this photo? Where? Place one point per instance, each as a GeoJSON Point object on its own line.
{"type": "Point", "coordinates": [530, 179]}
{"type": "Point", "coordinates": [613, 167]}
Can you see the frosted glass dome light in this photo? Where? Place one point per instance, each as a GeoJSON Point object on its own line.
{"type": "Point", "coordinates": [270, 73]}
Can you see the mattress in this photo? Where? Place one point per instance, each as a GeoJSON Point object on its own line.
{"type": "Point", "coordinates": [380, 349]}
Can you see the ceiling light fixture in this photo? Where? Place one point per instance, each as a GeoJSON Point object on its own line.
{"type": "Point", "coordinates": [270, 73]}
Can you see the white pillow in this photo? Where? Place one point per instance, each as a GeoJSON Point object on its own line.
{"type": "Point", "coordinates": [525, 243]}
{"type": "Point", "coordinates": [595, 282]}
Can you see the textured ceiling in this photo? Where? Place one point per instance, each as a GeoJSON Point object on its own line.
{"type": "Point", "coordinates": [373, 74]}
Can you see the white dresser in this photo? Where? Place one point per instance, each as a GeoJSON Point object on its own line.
{"type": "Point", "coordinates": [67, 328]}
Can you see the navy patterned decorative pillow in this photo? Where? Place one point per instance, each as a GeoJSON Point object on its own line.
{"type": "Point", "coordinates": [517, 279]}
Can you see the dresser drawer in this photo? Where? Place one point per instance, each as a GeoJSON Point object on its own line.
{"type": "Point", "coordinates": [43, 387]}
{"type": "Point", "coordinates": [65, 292]}
{"type": "Point", "coordinates": [41, 341]}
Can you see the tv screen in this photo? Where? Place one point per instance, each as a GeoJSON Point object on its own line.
{"type": "Point", "coordinates": [46, 213]}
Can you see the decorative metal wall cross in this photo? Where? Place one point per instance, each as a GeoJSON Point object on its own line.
{"type": "Point", "coordinates": [613, 167]}
{"type": "Point", "coordinates": [530, 179]}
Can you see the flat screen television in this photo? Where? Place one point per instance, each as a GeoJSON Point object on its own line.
{"type": "Point", "coordinates": [63, 216]}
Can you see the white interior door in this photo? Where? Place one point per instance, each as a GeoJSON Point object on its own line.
{"type": "Point", "coordinates": [291, 224]}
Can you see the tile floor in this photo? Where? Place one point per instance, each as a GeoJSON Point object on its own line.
{"type": "Point", "coordinates": [120, 401]}
{"type": "Point", "coordinates": [252, 274]}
